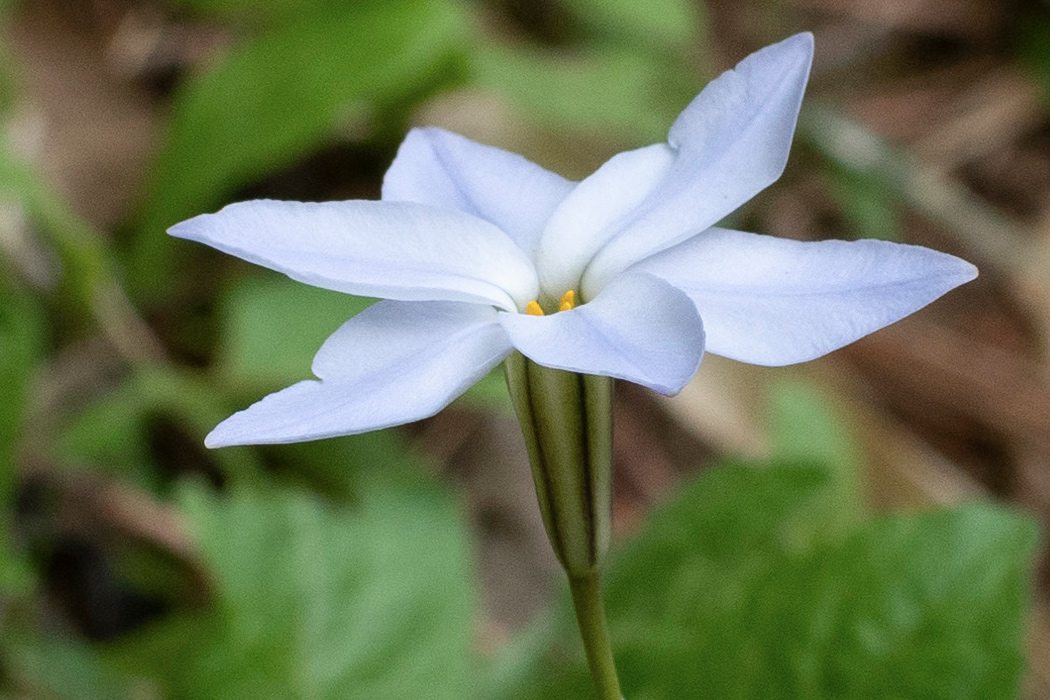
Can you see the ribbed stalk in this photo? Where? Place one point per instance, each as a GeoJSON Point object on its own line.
{"type": "Point", "coordinates": [567, 422]}
{"type": "Point", "coordinates": [566, 419]}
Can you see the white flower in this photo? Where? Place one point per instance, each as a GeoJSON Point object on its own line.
{"type": "Point", "coordinates": [469, 242]}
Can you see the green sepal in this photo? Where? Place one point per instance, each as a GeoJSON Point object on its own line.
{"type": "Point", "coordinates": [566, 419]}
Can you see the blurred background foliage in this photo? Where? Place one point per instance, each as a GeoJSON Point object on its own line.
{"type": "Point", "coordinates": [865, 526]}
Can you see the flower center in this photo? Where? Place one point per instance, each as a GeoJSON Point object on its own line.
{"type": "Point", "coordinates": [568, 301]}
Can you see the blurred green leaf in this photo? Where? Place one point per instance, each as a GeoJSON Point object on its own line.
{"type": "Point", "coordinates": [112, 433]}
{"type": "Point", "coordinates": [1035, 47]}
{"type": "Point", "coordinates": [729, 515]}
{"type": "Point", "coordinates": [346, 468]}
{"type": "Point", "coordinates": [664, 24]}
{"type": "Point", "coordinates": [868, 205]}
{"type": "Point", "coordinates": [489, 394]}
{"type": "Point", "coordinates": [252, 8]}
{"type": "Point", "coordinates": [56, 668]}
{"type": "Point", "coordinates": [21, 348]}
{"type": "Point", "coordinates": [85, 261]}
{"type": "Point", "coordinates": [805, 428]}
{"type": "Point", "coordinates": [633, 95]}
{"type": "Point", "coordinates": [8, 82]}
{"type": "Point", "coordinates": [278, 97]}
{"type": "Point", "coordinates": [939, 611]}
{"type": "Point", "coordinates": [312, 601]}
{"type": "Point", "coordinates": [713, 600]}
{"type": "Point", "coordinates": [275, 326]}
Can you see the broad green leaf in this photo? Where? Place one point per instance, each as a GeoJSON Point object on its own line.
{"type": "Point", "coordinates": [712, 600]}
{"type": "Point", "coordinates": [712, 541]}
{"type": "Point", "coordinates": [278, 97]}
{"type": "Point", "coordinates": [621, 94]}
{"type": "Point", "coordinates": [939, 611]}
{"type": "Point", "coordinates": [314, 601]}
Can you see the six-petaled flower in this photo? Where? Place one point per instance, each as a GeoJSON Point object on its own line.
{"type": "Point", "coordinates": [477, 252]}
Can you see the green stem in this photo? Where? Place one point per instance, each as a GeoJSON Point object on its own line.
{"type": "Point", "coordinates": [566, 419]}
{"type": "Point", "coordinates": [590, 616]}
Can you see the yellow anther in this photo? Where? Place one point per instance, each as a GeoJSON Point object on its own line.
{"type": "Point", "coordinates": [533, 309]}
{"type": "Point", "coordinates": [568, 301]}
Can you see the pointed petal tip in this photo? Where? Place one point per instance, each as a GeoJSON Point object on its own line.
{"type": "Point", "coordinates": [954, 271]}
{"type": "Point", "coordinates": [199, 227]}
{"type": "Point", "coordinates": [800, 46]}
{"type": "Point", "coordinates": [801, 43]}
{"type": "Point", "coordinates": [729, 143]}
{"type": "Point", "coordinates": [193, 228]}
{"type": "Point", "coordinates": [219, 438]}
{"type": "Point", "coordinates": [792, 57]}
{"type": "Point", "coordinates": [222, 436]}
{"type": "Point", "coordinates": [235, 431]}
{"type": "Point", "coordinates": [186, 229]}
{"type": "Point", "coordinates": [802, 39]}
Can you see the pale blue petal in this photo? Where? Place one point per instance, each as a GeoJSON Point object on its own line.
{"type": "Point", "coordinates": [593, 212]}
{"type": "Point", "coordinates": [639, 328]}
{"type": "Point", "coordinates": [443, 169]}
{"type": "Point", "coordinates": [392, 250]}
{"type": "Point", "coordinates": [773, 301]}
{"type": "Point", "coordinates": [732, 141]}
{"type": "Point", "coordinates": [393, 363]}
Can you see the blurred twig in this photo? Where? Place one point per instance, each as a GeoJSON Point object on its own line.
{"type": "Point", "coordinates": [88, 267]}
{"type": "Point", "coordinates": [993, 237]}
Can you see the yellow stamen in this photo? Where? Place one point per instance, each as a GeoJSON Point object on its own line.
{"type": "Point", "coordinates": [533, 309]}
{"type": "Point", "coordinates": [568, 301]}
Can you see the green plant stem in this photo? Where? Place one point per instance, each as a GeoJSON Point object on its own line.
{"type": "Point", "coordinates": [590, 616]}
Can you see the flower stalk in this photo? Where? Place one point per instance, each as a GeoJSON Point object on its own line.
{"type": "Point", "coordinates": [590, 618]}
{"type": "Point", "coordinates": [566, 419]}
